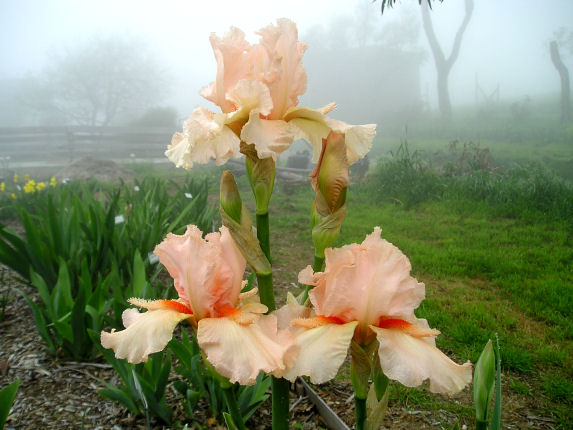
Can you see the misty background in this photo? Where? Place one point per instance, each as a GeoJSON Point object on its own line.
{"type": "Point", "coordinates": [106, 62]}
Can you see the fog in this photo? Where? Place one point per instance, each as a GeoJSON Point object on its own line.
{"type": "Point", "coordinates": [505, 44]}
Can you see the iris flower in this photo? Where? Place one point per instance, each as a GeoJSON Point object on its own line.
{"type": "Point", "coordinates": [257, 89]}
{"type": "Point", "coordinates": [238, 340]}
{"type": "Point", "coordinates": [365, 295]}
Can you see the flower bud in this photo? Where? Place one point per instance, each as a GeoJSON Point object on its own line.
{"type": "Point", "coordinates": [261, 174]}
{"type": "Point", "coordinates": [231, 201]}
{"type": "Point", "coordinates": [484, 382]}
{"type": "Point", "coordinates": [330, 181]}
{"type": "Point", "coordinates": [236, 218]}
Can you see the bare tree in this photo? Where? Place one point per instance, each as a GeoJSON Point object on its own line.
{"type": "Point", "coordinates": [563, 39]}
{"type": "Point", "coordinates": [96, 83]}
{"type": "Point", "coordinates": [443, 64]}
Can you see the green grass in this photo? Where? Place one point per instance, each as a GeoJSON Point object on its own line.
{"type": "Point", "coordinates": [484, 274]}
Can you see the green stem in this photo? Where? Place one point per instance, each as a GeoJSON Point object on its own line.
{"type": "Point", "coordinates": [360, 413]}
{"type": "Point", "coordinates": [263, 234]}
{"type": "Point", "coordinates": [317, 264]}
{"type": "Point", "coordinates": [280, 396]}
{"type": "Point", "coordinates": [265, 282]}
{"type": "Point", "coordinates": [280, 386]}
{"type": "Point", "coordinates": [266, 293]}
{"type": "Point", "coordinates": [233, 407]}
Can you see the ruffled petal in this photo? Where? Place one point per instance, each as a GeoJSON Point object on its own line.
{"type": "Point", "coordinates": [411, 360]}
{"type": "Point", "coordinates": [207, 273]}
{"type": "Point", "coordinates": [286, 77]}
{"type": "Point", "coordinates": [322, 351]}
{"type": "Point", "coordinates": [290, 311]}
{"type": "Point", "coordinates": [232, 53]}
{"type": "Point", "coordinates": [270, 137]}
{"type": "Point", "coordinates": [145, 333]}
{"type": "Point", "coordinates": [241, 351]}
{"type": "Point", "coordinates": [249, 96]}
{"type": "Point", "coordinates": [205, 136]}
{"type": "Point", "coordinates": [366, 282]}
{"type": "Point", "coordinates": [358, 138]}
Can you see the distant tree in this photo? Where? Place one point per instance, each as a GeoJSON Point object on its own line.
{"type": "Point", "coordinates": [390, 3]}
{"type": "Point", "coordinates": [101, 81]}
{"type": "Point", "coordinates": [443, 64]}
{"type": "Point", "coordinates": [564, 39]}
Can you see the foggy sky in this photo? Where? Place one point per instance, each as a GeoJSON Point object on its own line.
{"type": "Point", "coordinates": [506, 42]}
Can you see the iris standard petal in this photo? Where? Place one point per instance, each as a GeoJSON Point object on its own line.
{"type": "Point", "coordinates": [249, 96]}
{"type": "Point", "coordinates": [270, 137]}
{"type": "Point", "coordinates": [366, 282]}
{"type": "Point", "coordinates": [207, 273]}
{"type": "Point", "coordinates": [286, 78]}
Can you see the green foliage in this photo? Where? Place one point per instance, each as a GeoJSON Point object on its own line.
{"type": "Point", "coordinates": [63, 317]}
{"type": "Point", "coordinates": [525, 192]}
{"type": "Point", "coordinates": [199, 382]}
{"type": "Point", "coordinates": [7, 397]}
{"type": "Point", "coordinates": [405, 178]}
{"type": "Point", "coordinates": [143, 389]}
{"type": "Point", "coordinates": [83, 251]}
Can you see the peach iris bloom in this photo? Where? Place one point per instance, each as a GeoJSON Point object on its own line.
{"type": "Point", "coordinates": [366, 294]}
{"type": "Point", "coordinates": [237, 339]}
{"type": "Point", "coordinates": [257, 89]}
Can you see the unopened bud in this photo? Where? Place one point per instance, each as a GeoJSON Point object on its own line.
{"type": "Point", "coordinates": [236, 218]}
{"type": "Point", "coordinates": [231, 202]}
{"type": "Point", "coordinates": [330, 181]}
{"type": "Point", "coordinates": [261, 174]}
{"type": "Point", "coordinates": [330, 177]}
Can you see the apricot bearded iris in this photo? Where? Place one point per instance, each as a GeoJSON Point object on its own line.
{"type": "Point", "coordinates": [257, 89]}
{"type": "Point", "coordinates": [238, 340]}
{"type": "Point", "coordinates": [365, 295]}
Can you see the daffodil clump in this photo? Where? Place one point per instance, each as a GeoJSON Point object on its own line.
{"type": "Point", "coordinates": [15, 189]}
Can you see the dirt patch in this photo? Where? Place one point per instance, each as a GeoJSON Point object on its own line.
{"type": "Point", "coordinates": [90, 168]}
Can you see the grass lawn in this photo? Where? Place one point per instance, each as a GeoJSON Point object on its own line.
{"type": "Point", "coordinates": [483, 275]}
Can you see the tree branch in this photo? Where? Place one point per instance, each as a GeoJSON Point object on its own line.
{"type": "Point", "coordinates": [460, 33]}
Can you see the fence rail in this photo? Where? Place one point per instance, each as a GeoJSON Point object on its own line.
{"type": "Point", "coordinates": [65, 144]}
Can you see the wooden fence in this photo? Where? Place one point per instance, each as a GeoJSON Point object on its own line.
{"type": "Point", "coordinates": [61, 145]}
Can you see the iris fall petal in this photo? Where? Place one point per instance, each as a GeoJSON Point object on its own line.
{"type": "Point", "coordinates": [144, 334]}
{"type": "Point", "coordinates": [239, 352]}
{"type": "Point", "coordinates": [411, 360]}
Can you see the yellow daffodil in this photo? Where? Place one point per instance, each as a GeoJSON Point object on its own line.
{"type": "Point", "coordinates": [30, 187]}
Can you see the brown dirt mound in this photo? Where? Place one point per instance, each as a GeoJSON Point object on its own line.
{"type": "Point", "coordinates": [90, 168]}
